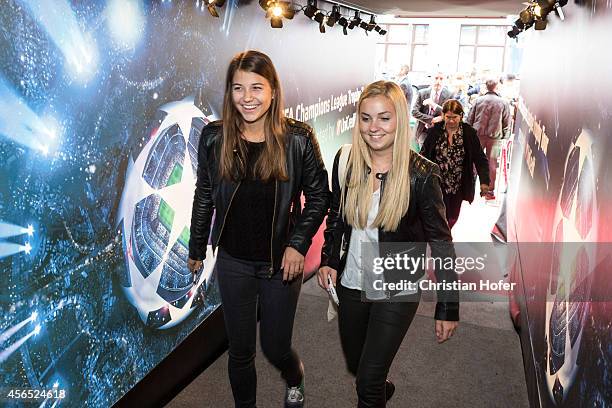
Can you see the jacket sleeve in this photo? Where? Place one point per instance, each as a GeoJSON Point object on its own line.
{"type": "Point", "coordinates": [408, 92]}
{"type": "Point", "coordinates": [315, 186]}
{"type": "Point", "coordinates": [330, 253]}
{"type": "Point", "coordinates": [416, 110]}
{"type": "Point", "coordinates": [480, 159]}
{"type": "Point", "coordinates": [202, 210]}
{"type": "Point", "coordinates": [427, 150]}
{"type": "Point", "coordinates": [472, 115]}
{"type": "Point", "coordinates": [438, 235]}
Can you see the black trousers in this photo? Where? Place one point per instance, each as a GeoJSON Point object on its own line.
{"type": "Point", "coordinates": [245, 285]}
{"type": "Point", "coordinates": [453, 202]}
{"type": "Point", "coordinates": [370, 334]}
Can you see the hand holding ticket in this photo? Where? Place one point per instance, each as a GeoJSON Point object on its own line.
{"type": "Point", "coordinates": [332, 290]}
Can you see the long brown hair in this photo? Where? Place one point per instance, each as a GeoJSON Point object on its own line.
{"type": "Point", "coordinates": [272, 161]}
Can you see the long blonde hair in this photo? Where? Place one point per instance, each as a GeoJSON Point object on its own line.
{"type": "Point", "coordinates": [360, 184]}
{"type": "Point", "coordinates": [272, 163]}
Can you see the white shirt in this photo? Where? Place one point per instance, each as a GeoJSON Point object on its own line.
{"type": "Point", "coordinates": [352, 277]}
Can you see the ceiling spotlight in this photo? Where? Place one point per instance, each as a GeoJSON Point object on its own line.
{"type": "Point", "coordinates": [212, 6]}
{"type": "Point", "coordinates": [514, 32]}
{"type": "Point", "coordinates": [535, 14]}
{"type": "Point", "coordinates": [527, 16]}
{"type": "Point", "coordinates": [276, 11]}
{"type": "Point", "coordinates": [343, 22]}
{"type": "Point", "coordinates": [321, 19]}
{"type": "Point", "coordinates": [276, 22]}
{"type": "Point", "coordinates": [311, 9]}
{"type": "Point", "coordinates": [355, 21]}
{"type": "Point", "coordinates": [380, 30]}
{"type": "Point", "coordinates": [334, 16]}
{"type": "Point", "coordinates": [537, 10]}
{"type": "Point", "coordinates": [540, 24]}
{"type": "Point", "coordinates": [368, 26]}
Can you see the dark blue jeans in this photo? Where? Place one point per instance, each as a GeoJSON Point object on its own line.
{"type": "Point", "coordinates": [370, 334]}
{"type": "Point", "coordinates": [245, 286]}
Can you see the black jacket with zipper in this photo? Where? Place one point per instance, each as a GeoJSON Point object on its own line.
{"type": "Point", "coordinates": [424, 222]}
{"type": "Point", "coordinates": [294, 226]}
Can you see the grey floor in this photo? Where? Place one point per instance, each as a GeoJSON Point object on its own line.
{"type": "Point", "coordinates": [480, 366]}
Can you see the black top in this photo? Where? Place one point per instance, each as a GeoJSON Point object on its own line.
{"type": "Point", "coordinates": [248, 226]}
{"type": "Point", "coordinates": [294, 224]}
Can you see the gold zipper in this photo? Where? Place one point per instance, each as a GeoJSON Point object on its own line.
{"type": "Point", "coordinates": [226, 212]}
{"type": "Point", "coordinates": [272, 234]}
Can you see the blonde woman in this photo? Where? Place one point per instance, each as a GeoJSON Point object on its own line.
{"type": "Point", "coordinates": [390, 195]}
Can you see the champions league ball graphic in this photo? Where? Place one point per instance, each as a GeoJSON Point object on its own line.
{"type": "Point", "coordinates": [567, 306]}
{"type": "Point", "coordinates": [155, 216]}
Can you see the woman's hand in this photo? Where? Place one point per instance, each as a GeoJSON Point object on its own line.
{"type": "Point", "coordinates": [194, 266]}
{"type": "Point", "coordinates": [322, 274]}
{"type": "Point", "coordinates": [292, 264]}
{"type": "Point", "coordinates": [445, 330]}
{"type": "Point", "coordinates": [484, 189]}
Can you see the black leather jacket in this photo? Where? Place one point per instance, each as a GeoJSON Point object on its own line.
{"type": "Point", "coordinates": [293, 226]}
{"type": "Point", "coordinates": [424, 222]}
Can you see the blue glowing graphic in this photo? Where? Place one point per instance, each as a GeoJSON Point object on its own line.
{"type": "Point", "coordinates": [22, 125]}
{"type": "Point", "coordinates": [89, 92]}
{"type": "Point", "coordinates": [126, 22]}
{"type": "Point", "coordinates": [60, 23]}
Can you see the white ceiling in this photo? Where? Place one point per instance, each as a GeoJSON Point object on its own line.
{"type": "Point", "coordinates": [437, 8]}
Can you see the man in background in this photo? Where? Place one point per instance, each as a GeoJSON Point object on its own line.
{"type": "Point", "coordinates": [427, 108]}
{"type": "Point", "coordinates": [404, 83]}
{"type": "Point", "coordinates": [490, 116]}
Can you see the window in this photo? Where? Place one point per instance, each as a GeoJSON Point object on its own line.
{"type": "Point", "coordinates": [484, 46]}
{"type": "Point", "coordinates": [420, 39]}
{"type": "Point", "coordinates": [403, 44]}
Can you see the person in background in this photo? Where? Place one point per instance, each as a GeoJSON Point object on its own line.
{"type": "Point", "coordinates": [473, 83]}
{"type": "Point", "coordinates": [252, 169]}
{"type": "Point", "coordinates": [454, 146]}
{"type": "Point", "coordinates": [490, 116]}
{"type": "Point", "coordinates": [427, 109]}
{"type": "Point", "coordinates": [460, 91]}
{"type": "Point", "coordinates": [404, 83]}
{"type": "Point", "coordinates": [390, 194]}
